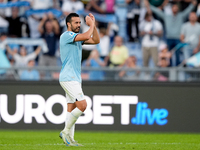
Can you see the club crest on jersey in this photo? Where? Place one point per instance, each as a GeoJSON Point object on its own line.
{"type": "Point", "coordinates": [71, 33]}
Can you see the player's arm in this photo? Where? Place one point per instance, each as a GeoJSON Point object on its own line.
{"type": "Point", "coordinates": [87, 35]}
{"type": "Point", "coordinates": [95, 39]}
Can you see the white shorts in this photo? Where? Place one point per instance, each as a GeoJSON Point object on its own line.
{"type": "Point", "coordinates": [73, 91]}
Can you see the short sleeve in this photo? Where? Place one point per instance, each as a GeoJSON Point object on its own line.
{"type": "Point", "coordinates": [70, 36]}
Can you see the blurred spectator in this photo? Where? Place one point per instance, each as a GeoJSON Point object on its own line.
{"type": "Point", "coordinates": [30, 74]}
{"type": "Point", "coordinates": [163, 62]}
{"type": "Point", "coordinates": [3, 22]}
{"type": "Point", "coordinates": [23, 58]}
{"type": "Point", "coordinates": [33, 22]}
{"type": "Point", "coordinates": [130, 64]}
{"type": "Point", "coordinates": [156, 3]}
{"type": "Point", "coordinates": [173, 24]}
{"type": "Point", "coordinates": [3, 37]}
{"type": "Point", "coordinates": [198, 12]}
{"type": "Point", "coordinates": [118, 54]}
{"type": "Point", "coordinates": [104, 45]}
{"type": "Point", "coordinates": [121, 14]}
{"type": "Point", "coordinates": [164, 53]}
{"type": "Point", "coordinates": [96, 6]}
{"type": "Point", "coordinates": [112, 30]}
{"type": "Point", "coordinates": [166, 6]}
{"type": "Point", "coordinates": [4, 62]}
{"type": "Point", "coordinates": [162, 76]}
{"type": "Point", "coordinates": [95, 61]}
{"type": "Point", "coordinates": [190, 33]}
{"type": "Point", "coordinates": [151, 30]}
{"type": "Point", "coordinates": [133, 7]}
{"type": "Point", "coordinates": [109, 4]}
{"type": "Point", "coordinates": [43, 4]}
{"type": "Point", "coordinates": [15, 24]}
{"type": "Point", "coordinates": [71, 6]}
{"type": "Point", "coordinates": [49, 29]}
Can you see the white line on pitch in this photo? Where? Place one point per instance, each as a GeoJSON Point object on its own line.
{"type": "Point", "coordinates": [96, 143]}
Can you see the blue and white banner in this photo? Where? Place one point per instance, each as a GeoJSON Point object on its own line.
{"type": "Point", "coordinates": [55, 12]}
{"type": "Point", "coordinates": [194, 61]}
{"type": "Point", "coordinates": [14, 4]}
{"type": "Point", "coordinates": [4, 61]}
{"type": "Point", "coordinates": [28, 41]}
{"type": "Point", "coordinates": [99, 17]}
{"type": "Point", "coordinates": [179, 46]}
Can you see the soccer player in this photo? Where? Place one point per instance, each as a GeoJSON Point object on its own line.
{"type": "Point", "coordinates": [70, 74]}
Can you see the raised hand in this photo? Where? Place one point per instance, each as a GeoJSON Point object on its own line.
{"type": "Point", "coordinates": [146, 3]}
{"type": "Point", "coordinates": [50, 16]}
{"type": "Point", "coordinates": [92, 17]}
{"type": "Point", "coordinates": [194, 2]}
{"type": "Point", "coordinates": [89, 21]}
{"type": "Point", "coordinates": [44, 18]}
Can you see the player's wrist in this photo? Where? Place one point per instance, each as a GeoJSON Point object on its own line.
{"type": "Point", "coordinates": [92, 25]}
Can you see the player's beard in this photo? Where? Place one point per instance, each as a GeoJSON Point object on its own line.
{"type": "Point", "coordinates": [76, 30]}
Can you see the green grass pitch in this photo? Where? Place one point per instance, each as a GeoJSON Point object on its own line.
{"type": "Point", "coordinates": [49, 140]}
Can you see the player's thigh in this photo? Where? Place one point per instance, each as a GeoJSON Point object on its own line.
{"type": "Point", "coordinates": [74, 90]}
{"type": "Point", "coordinates": [68, 98]}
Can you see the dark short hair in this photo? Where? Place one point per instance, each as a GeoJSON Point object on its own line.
{"type": "Point", "coordinates": [148, 14]}
{"type": "Point", "coordinates": [102, 30]}
{"type": "Point", "coordinates": [174, 4]}
{"type": "Point", "coordinates": [69, 17]}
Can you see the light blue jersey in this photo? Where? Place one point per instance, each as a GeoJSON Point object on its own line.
{"type": "Point", "coordinates": [71, 55]}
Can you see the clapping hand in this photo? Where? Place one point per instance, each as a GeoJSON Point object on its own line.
{"type": "Point", "coordinates": [92, 17]}
{"type": "Point", "coordinates": [89, 21]}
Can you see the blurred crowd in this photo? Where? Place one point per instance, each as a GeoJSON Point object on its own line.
{"type": "Point", "coordinates": [167, 32]}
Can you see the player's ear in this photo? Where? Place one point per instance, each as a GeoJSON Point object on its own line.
{"type": "Point", "coordinates": [68, 25]}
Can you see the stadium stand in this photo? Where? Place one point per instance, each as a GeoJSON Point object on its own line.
{"type": "Point", "coordinates": [114, 17]}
